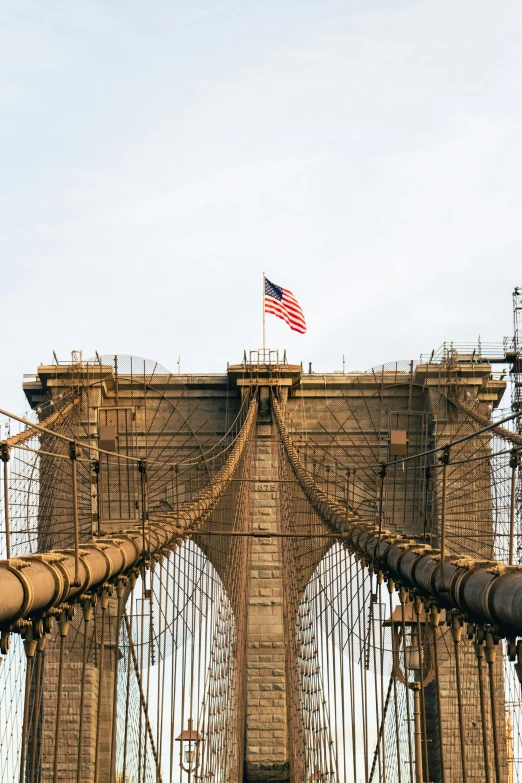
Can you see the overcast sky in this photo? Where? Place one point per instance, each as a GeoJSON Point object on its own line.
{"type": "Point", "coordinates": [157, 157]}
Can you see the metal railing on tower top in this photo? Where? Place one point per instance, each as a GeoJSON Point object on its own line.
{"type": "Point", "coordinates": [263, 357]}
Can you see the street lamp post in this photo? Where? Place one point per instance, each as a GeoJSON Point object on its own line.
{"type": "Point", "coordinates": [189, 740]}
{"type": "Point", "coordinates": [412, 636]}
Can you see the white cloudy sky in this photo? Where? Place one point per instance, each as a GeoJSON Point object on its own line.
{"type": "Point", "coordinates": [157, 157]}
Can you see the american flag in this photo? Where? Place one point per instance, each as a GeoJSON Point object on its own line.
{"type": "Point", "coordinates": [281, 302]}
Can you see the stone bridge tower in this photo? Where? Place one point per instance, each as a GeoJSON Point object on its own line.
{"type": "Point", "coordinates": [337, 411]}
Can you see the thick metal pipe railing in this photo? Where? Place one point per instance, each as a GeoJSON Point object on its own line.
{"type": "Point", "coordinates": [486, 591]}
{"type": "Point", "coordinates": [31, 585]}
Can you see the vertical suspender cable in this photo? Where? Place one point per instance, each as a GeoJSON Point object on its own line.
{"type": "Point", "coordinates": [165, 581]}
{"type": "Point", "coordinates": [40, 647]}
{"type": "Point", "coordinates": [64, 628]}
{"type": "Point", "coordinates": [415, 686]}
{"type": "Point", "coordinates": [384, 700]}
{"type": "Point", "coordinates": [456, 632]}
{"type": "Point", "coordinates": [491, 654]}
{"type": "Point", "coordinates": [30, 649]}
{"type": "Point", "coordinates": [128, 628]}
{"type": "Point", "coordinates": [116, 647]}
{"type": "Point", "coordinates": [351, 661]}
{"type": "Point", "coordinates": [445, 458]}
{"type": "Point", "coordinates": [434, 621]}
{"type": "Point", "coordinates": [378, 713]}
{"type": "Point", "coordinates": [362, 665]}
{"type": "Point", "coordinates": [513, 463]}
{"type": "Point", "coordinates": [104, 603]}
{"type": "Point", "coordinates": [142, 467]}
{"type": "Point", "coordinates": [87, 616]}
{"type": "Point", "coordinates": [150, 662]}
{"type": "Point", "coordinates": [479, 652]}
{"type": "Point", "coordinates": [73, 455]}
{"type": "Point", "coordinates": [174, 666]}
{"type": "Point", "coordinates": [391, 588]}
{"type": "Point", "coordinates": [4, 455]}
{"type": "Point", "coordinates": [402, 598]}
{"type": "Point", "coordinates": [422, 657]}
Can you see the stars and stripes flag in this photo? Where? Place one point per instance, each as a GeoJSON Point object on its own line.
{"type": "Point", "coordinates": [281, 302]}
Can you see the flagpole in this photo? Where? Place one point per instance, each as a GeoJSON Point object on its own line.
{"type": "Point", "coordinates": [264, 317]}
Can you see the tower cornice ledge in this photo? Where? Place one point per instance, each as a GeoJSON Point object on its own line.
{"type": "Point", "coordinates": [264, 374]}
